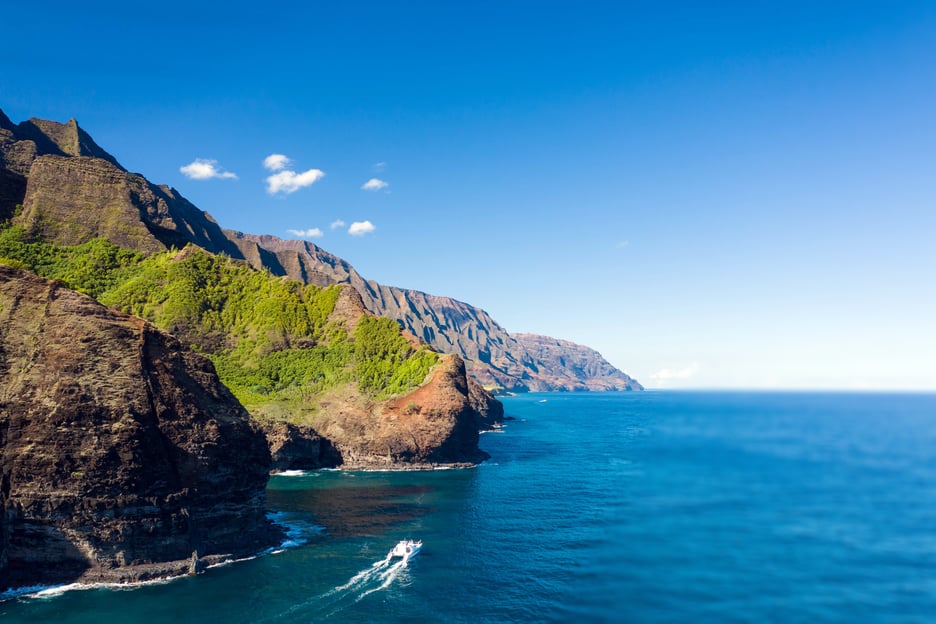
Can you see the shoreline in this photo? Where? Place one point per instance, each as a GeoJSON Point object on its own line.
{"type": "Point", "coordinates": [146, 574]}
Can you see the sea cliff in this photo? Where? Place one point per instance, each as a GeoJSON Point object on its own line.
{"type": "Point", "coordinates": [121, 453]}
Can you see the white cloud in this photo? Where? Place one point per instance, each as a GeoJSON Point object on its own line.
{"type": "Point", "coordinates": [206, 169]}
{"type": "Point", "coordinates": [360, 228]}
{"type": "Point", "coordinates": [275, 162]}
{"type": "Point", "coordinates": [290, 181]}
{"type": "Point", "coordinates": [374, 185]}
{"type": "Point", "coordinates": [380, 166]}
{"type": "Point", "coordinates": [310, 233]}
{"type": "Point", "coordinates": [666, 374]}
{"type": "Point", "coordinates": [337, 223]}
{"type": "Point", "coordinates": [623, 244]}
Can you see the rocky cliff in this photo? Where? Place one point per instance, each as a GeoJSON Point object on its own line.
{"type": "Point", "coordinates": [436, 424]}
{"type": "Point", "coordinates": [70, 200]}
{"type": "Point", "coordinates": [21, 144]}
{"type": "Point", "coordinates": [573, 366]}
{"type": "Point", "coordinates": [121, 454]}
{"type": "Point", "coordinates": [74, 191]}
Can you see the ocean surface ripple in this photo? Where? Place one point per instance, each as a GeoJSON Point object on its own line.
{"type": "Point", "coordinates": [632, 507]}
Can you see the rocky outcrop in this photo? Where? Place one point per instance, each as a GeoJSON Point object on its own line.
{"type": "Point", "coordinates": [299, 447]}
{"type": "Point", "coordinates": [570, 366]}
{"type": "Point", "coordinates": [121, 454]}
{"type": "Point", "coordinates": [434, 425]}
{"type": "Point", "coordinates": [490, 411]}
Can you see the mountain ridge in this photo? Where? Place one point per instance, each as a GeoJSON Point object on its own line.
{"type": "Point", "coordinates": [149, 218]}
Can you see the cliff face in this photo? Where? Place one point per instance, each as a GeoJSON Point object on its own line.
{"type": "Point", "coordinates": [120, 451]}
{"type": "Point", "coordinates": [435, 424]}
{"type": "Point", "coordinates": [21, 144]}
{"type": "Point", "coordinates": [573, 366]}
{"type": "Point", "coordinates": [70, 200]}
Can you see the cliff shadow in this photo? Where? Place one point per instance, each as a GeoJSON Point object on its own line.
{"type": "Point", "coordinates": [39, 553]}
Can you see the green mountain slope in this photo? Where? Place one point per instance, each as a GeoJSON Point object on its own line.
{"type": "Point", "coordinates": [276, 343]}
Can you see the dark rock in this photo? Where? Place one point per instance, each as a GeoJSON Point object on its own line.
{"type": "Point", "coordinates": [12, 193]}
{"type": "Point", "coordinates": [120, 451]}
{"type": "Point", "coordinates": [299, 447]}
{"type": "Point", "coordinates": [490, 411]}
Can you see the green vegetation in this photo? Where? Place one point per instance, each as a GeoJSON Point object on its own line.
{"type": "Point", "coordinates": [270, 338]}
{"type": "Point", "coordinates": [91, 268]}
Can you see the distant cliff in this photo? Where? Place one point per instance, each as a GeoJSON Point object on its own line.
{"type": "Point", "coordinates": [72, 190]}
{"type": "Point", "coordinates": [573, 366]}
{"type": "Point", "coordinates": [121, 454]}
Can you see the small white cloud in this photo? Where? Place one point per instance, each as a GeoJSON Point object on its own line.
{"type": "Point", "coordinates": [206, 169]}
{"type": "Point", "coordinates": [666, 374]}
{"type": "Point", "coordinates": [374, 185]}
{"type": "Point", "coordinates": [337, 223]}
{"type": "Point", "coordinates": [380, 166]}
{"type": "Point", "coordinates": [360, 228]}
{"type": "Point", "coordinates": [276, 162]}
{"type": "Point", "coordinates": [623, 244]}
{"type": "Point", "coordinates": [290, 181]}
{"type": "Point", "coordinates": [310, 233]}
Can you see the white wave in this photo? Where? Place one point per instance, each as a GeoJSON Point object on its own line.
{"type": "Point", "coordinates": [293, 473]}
{"type": "Point", "coordinates": [45, 592]}
{"type": "Point", "coordinates": [26, 591]}
{"type": "Point", "coordinates": [298, 532]}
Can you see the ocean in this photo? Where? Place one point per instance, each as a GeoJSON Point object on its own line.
{"type": "Point", "coordinates": [634, 507]}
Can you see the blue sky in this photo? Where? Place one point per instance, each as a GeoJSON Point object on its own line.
{"type": "Point", "coordinates": [739, 196]}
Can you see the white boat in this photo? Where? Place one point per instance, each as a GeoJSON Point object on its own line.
{"type": "Point", "coordinates": [405, 549]}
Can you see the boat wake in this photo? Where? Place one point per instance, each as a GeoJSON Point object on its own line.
{"type": "Point", "coordinates": [379, 576]}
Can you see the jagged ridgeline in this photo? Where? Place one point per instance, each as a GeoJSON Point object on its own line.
{"type": "Point", "coordinates": [279, 345]}
{"type": "Point", "coordinates": [58, 181]}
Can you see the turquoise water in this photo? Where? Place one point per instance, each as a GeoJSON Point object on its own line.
{"type": "Point", "coordinates": [645, 507]}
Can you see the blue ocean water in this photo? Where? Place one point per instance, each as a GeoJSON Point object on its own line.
{"type": "Point", "coordinates": [643, 507]}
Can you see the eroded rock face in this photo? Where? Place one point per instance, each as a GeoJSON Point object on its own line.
{"type": "Point", "coordinates": [21, 144]}
{"type": "Point", "coordinates": [12, 192]}
{"type": "Point", "coordinates": [434, 425]}
{"type": "Point", "coordinates": [70, 200]}
{"type": "Point", "coordinates": [120, 451]}
{"type": "Point", "coordinates": [490, 411]}
{"type": "Point", "coordinates": [572, 366]}
{"type": "Point", "coordinates": [299, 447]}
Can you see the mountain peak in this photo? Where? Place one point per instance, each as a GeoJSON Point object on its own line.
{"type": "Point", "coordinates": [68, 138]}
{"type": "Point", "coordinates": [23, 143]}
